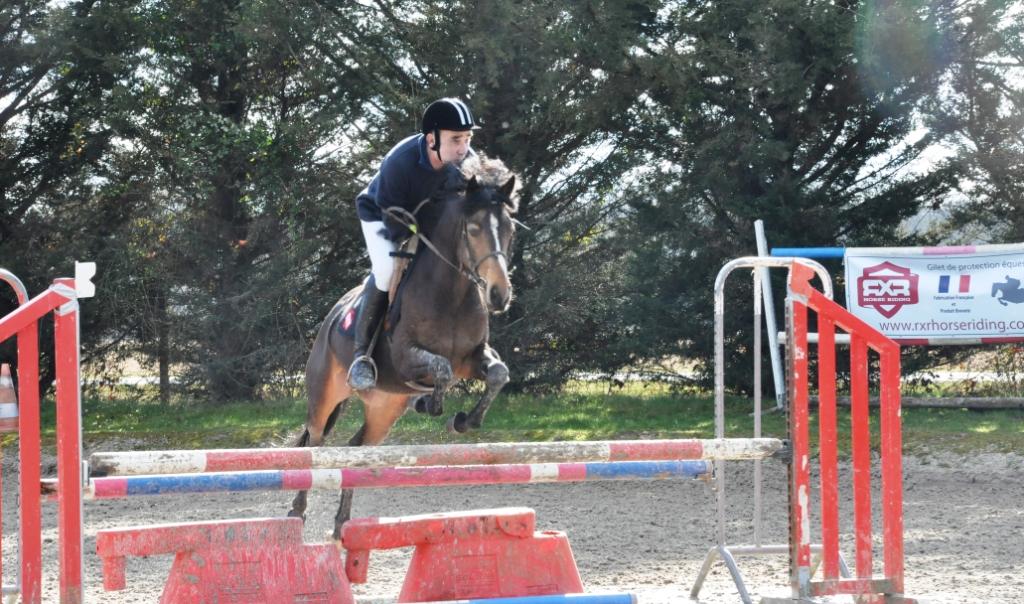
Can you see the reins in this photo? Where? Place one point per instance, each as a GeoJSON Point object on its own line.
{"type": "Point", "coordinates": [409, 221]}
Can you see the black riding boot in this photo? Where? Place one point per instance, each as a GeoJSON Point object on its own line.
{"type": "Point", "coordinates": [362, 375]}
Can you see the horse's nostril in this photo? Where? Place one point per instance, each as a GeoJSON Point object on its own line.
{"type": "Point", "coordinates": [497, 298]}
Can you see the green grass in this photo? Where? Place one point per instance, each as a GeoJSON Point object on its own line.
{"type": "Point", "coordinates": [964, 430]}
{"type": "Point", "coordinates": [580, 412]}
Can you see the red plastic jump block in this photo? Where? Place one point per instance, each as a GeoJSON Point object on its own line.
{"type": "Point", "coordinates": [462, 555]}
{"type": "Point", "coordinates": [256, 561]}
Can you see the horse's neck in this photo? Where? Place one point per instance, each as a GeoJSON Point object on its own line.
{"type": "Point", "coordinates": [441, 285]}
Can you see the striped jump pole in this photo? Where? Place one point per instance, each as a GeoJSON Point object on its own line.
{"type": "Point", "coordinates": [320, 458]}
{"type": "Point", "coordinates": [364, 478]}
{"type": "Point", "coordinates": [556, 599]}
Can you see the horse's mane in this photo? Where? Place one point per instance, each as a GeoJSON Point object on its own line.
{"type": "Point", "coordinates": [451, 196]}
{"type": "Point", "coordinates": [490, 173]}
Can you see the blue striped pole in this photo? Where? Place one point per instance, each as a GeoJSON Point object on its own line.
{"type": "Point", "coordinates": [361, 478]}
{"type": "Point", "coordinates": [134, 463]}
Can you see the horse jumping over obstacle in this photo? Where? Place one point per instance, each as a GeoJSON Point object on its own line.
{"type": "Point", "coordinates": [436, 331]}
{"type": "Point", "coordinates": [865, 585]}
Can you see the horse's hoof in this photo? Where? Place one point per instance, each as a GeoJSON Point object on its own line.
{"type": "Point", "coordinates": [427, 404]}
{"type": "Point", "coordinates": [434, 406]}
{"type": "Point", "coordinates": [294, 514]}
{"type": "Point", "coordinates": [458, 423]}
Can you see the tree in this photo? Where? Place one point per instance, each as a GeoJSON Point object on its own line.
{"type": "Point", "coordinates": [239, 113]}
{"type": "Point", "coordinates": [799, 114]}
{"type": "Point", "coordinates": [59, 70]}
{"type": "Point", "coordinates": [981, 111]}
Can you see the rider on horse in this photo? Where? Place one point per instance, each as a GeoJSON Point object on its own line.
{"type": "Point", "coordinates": [410, 173]}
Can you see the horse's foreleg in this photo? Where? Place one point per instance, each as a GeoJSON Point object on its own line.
{"type": "Point", "coordinates": [494, 373]}
{"type": "Point", "coordinates": [423, 362]}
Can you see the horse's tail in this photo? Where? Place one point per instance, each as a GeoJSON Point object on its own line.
{"type": "Point", "coordinates": [996, 288]}
{"type": "Point", "coordinates": [303, 439]}
{"type": "Point", "coordinates": [333, 417]}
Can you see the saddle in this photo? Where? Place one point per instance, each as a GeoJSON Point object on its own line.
{"type": "Point", "coordinates": [403, 259]}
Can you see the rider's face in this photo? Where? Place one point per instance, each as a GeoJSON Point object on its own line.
{"type": "Point", "coordinates": [454, 145]}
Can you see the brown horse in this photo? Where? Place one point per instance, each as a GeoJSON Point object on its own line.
{"type": "Point", "coordinates": [436, 331]}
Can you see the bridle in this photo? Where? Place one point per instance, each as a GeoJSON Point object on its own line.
{"type": "Point", "coordinates": [498, 253]}
{"type": "Point", "coordinates": [408, 220]}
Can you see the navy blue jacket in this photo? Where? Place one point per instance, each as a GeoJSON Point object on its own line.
{"type": "Point", "coordinates": [405, 179]}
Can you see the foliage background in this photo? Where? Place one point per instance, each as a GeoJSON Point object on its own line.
{"type": "Point", "coordinates": [206, 154]}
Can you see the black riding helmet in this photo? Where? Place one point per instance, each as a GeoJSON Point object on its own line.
{"type": "Point", "coordinates": [446, 114]}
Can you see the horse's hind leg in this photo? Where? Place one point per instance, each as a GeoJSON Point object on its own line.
{"type": "Point", "coordinates": [327, 391]}
{"type": "Point", "coordinates": [345, 505]}
{"type": "Point", "coordinates": [494, 372]}
{"type": "Point", "coordinates": [382, 410]}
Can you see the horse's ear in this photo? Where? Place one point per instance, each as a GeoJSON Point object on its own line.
{"type": "Point", "coordinates": [472, 185]}
{"type": "Point", "coordinates": [507, 188]}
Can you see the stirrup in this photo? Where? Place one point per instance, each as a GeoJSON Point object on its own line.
{"type": "Point", "coordinates": [373, 365]}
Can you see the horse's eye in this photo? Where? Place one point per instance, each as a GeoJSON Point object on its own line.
{"type": "Point", "coordinates": [473, 230]}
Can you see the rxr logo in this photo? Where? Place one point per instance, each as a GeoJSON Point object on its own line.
{"type": "Point", "coordinates": [887, 287]}
{"type": "Point", "coordinates": [884, 287]}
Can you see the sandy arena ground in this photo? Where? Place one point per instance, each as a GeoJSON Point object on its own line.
{"type": "Point", "coordinates": [964, 530]}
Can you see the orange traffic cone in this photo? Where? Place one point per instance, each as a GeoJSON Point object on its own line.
{"type": "Point", "coordinates": [8, 401]}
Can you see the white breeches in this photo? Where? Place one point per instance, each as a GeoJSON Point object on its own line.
{"type": "Point", "coordinates": [380, 248]}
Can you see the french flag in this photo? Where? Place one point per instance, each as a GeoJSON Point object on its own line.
{"type": "Point", "coordinates": [965, 284]}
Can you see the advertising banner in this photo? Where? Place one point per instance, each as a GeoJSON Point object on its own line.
{"type": "Point", "coordinates": [939, 295]}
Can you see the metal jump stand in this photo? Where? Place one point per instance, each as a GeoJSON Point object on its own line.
{"type": "Point", "coordinates": [726, 552]}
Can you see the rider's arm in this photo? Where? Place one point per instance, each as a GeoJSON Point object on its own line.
{"type": "Point", "coordinates": [393, 190]}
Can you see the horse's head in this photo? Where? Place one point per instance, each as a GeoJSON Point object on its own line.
{"type": "Point", "coordinates": [489, 231]}
{"type": "Point", "coordinates": [479, 209]}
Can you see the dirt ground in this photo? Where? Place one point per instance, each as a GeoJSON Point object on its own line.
{"type": "Point", "coordinates": [964, 534]}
